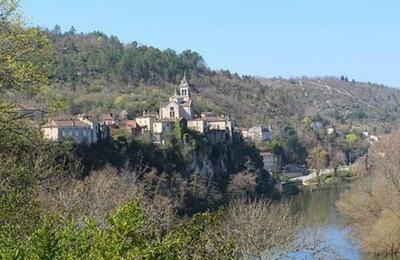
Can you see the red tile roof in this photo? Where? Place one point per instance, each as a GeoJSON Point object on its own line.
{"type": "Point", "coordinates": [132, 124]}
{"type": "Point", "coordinates": [108, 117]}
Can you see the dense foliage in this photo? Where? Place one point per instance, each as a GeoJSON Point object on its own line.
{"type": "Point", "coordinates": [84, 57]}
{"type": "Point", "coordinates": [129, 234]}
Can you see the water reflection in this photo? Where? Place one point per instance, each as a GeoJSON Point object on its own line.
{"type": "Point", "coordinates": [319, 208]}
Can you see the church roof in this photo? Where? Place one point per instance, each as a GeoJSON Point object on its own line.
{"type": "Point", "coordinates": [187, 103]}
{"type": "Point", "coordinates": [163, 104]}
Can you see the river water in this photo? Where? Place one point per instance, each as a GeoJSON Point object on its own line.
{"type": "Point", "coordinates": [319, 207]}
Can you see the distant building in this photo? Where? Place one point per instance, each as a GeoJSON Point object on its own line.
{"type": "Point", "coordinates": [94, 126]}
{"type": "Point", "coordinates": [259, 133]}
{"type": "Point", "coordinates": [133, 127]}
{"type": "Point", "coordinates": [79, 129]}
{"type": "Point", "coordinates": [244, 132]}
{"type": "Point", "coordinates": [316, 125]}
{"type": "Point", "coordinates": [179, 104]}
{"type": "Point", "coordinates": [161, 128]}
{"type": "Point", "coordinates": [271, 162]}
{"type": "Point", "coordinates": [219, 123]}
{"type": "Point", "coordinates": [32, 113]}
{"type": "Point", "coordinates": [204, 124]}
{"type": "Point", "coordinates": [109, 119]}
{"type": "Point", "coordinates": [331, 130]}
{"type": "Point", "coordinates": [145, 121]}
{"type": "Point", "coordinates": [198, 124]}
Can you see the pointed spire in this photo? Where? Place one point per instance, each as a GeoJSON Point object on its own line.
{"type": "Point", "coordinates": [184, 81]}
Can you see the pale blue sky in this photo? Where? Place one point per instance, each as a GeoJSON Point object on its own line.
{"type": "Point", "coordinates": [358, 38]}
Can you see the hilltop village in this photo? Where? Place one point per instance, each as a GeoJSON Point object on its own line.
{"type": "Point", "coordinates": [157, 126]}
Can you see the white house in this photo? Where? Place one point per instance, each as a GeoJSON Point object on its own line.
{"type": "Point", "coordinates": [146, 121]}
{"type": "Point", "coordinates": [198, 125]}
{"type": "Point", "coordinates": [205, 123]}
{"type": "Point", "coordinates": [259, 133]}
{"type": "Point", "coordinates": [161, 128]}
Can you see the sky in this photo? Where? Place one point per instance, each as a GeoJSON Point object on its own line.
{"type": "Point", "coordinates": [287, 38]}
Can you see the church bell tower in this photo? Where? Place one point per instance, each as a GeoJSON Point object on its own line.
{"type": "Point", "coordinates": [184, 88]}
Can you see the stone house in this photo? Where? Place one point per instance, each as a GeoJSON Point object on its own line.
{"type": "Point", "coordinates": [146, 121]}
{"type": "Point", "coordinates": [109, 119]}
{"type": "Point", "coordinates": [81, 131]}
{"type": "Point", "coordinates": [163, 127]}
{"type": "Point", "coordinates": [94, 126]}
{"type": "Point", "coordinates": [198, 124]}
{"type": "Point", "coordinates": [204, 124]}
{"type": "Point", "coordinates": [259, 133]}
{"type": "Point", "coordinates": [219, 123]}
{"type": "Point", "coordinates": [133, 127]}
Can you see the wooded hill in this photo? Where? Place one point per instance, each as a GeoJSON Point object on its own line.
{"type": "Point", "coordinates": [95, 74]}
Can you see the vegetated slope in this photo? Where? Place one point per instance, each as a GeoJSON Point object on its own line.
{"type": "Point", "coordinates": [329, 99]}
{"type": "Point", "coordinates": [97, 73]}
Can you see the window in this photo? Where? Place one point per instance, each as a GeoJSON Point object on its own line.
{"type": "Point", "coordinates": [84, 132]}
{"type": "Point", "coordinates": [77, 132]}
{"type": "Point", "coordinates": [171, 112]}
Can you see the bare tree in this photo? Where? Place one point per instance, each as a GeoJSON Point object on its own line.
{"type": "Point", "coordinates": [260, 227]}
{"type": "Point", "coordinates": [374, 202]}
{"type": "Point", "coordinates": [266, 230]}
{"type": "Point", "coordinates": [318, 160]}
{"type": "Point", "coordinates": [337, 160]}
{"type": "Point", "coordinates": [242, 185]}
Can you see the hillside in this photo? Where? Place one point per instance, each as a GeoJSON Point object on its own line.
{"type": "Point", "coordinates": [94, 73]}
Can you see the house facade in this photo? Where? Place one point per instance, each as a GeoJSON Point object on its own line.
{"type": "Point", "coordinates": [162, 128]}
{"type": "Point", "coordinates": [109, 119]}
{"type": "Point", "coordinates": [259, 133]}
{"type": "Point", "coordinates": [146, 121]}
{"type": "Point", "coordinates": [133, 127]}
{"type": "Point", "coordinates": [208, 121]}
{"type": "Point", "coordinates": [81, 131]}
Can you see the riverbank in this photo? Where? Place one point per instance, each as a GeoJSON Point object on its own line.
{"type": "Point", "coordinates": [320, 213]}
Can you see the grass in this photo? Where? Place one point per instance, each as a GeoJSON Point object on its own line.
{"type": "Point", "coordinates": [330, 180]}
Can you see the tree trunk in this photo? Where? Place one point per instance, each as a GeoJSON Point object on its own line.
{"type": "Point", "coordinates": [318, 179]}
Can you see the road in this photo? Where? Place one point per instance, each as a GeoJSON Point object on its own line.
{"type": "Point", "coordinates": [323, 172]}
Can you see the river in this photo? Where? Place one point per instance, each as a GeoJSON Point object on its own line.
{"type": "Point", "coordinates": [319, 207]}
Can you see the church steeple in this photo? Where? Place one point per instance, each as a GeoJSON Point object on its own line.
{"type": "Point", "coordinates": [184, 88]}
{"type": "Point", "coordinates": [184, 81]}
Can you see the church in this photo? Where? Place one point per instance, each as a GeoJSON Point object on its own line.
{"type": "Point", "coordinates": [179, 105]}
